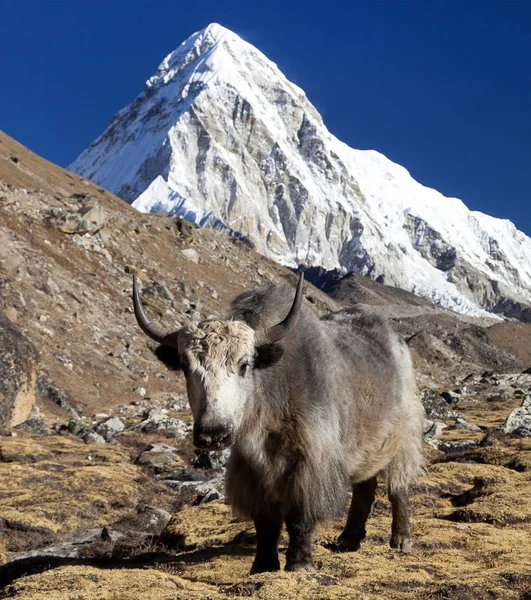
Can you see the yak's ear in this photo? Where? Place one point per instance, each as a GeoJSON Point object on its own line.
{"type": "Point", "coordinates": [267, 355]}
{"type": "Point", "coordinates": [170, 357]}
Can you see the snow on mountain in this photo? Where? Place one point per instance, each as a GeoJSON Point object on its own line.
{"type": "Point", "coordinates": [219, 135]}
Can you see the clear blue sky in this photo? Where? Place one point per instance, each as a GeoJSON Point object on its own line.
{"type": "Point", "coordinates": [441, 87]}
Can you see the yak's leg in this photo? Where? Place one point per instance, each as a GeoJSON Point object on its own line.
{"type": "Point", "coordinates": [360, 507]}
{"type": "Point", "coordinates": [401, 528]}
{"type": "Point", "coordinates": [268, 529]}
{"type": "Point", "coordinates": [299, 554]}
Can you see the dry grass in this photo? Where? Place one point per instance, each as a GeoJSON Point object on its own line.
{"type": "Point", "coordinates": [483, 554]}
{"type": "Point", "coordinates": [60, 484]}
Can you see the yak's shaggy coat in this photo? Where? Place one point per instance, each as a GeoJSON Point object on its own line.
{"type": "Point", "coordinates": [339, 407]}
{"type": "Point", "coordinates": [312, 407]}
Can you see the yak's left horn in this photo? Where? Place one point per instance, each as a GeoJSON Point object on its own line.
{"type": "Point", "coordinates": [280, 330]}
{"type": "Point", "coordinates": [155, 332]}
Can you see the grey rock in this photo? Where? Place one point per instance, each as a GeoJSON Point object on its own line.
{"type": "Point", "coordinates": [77, 427]}
{"type": "Point", "coordinates": [519, 421]}
{"type": "Point", "coordinates": [109, 428]}
{"type": "Point", "coordinates": [191, 254]}
{"type": "Point", "coordinates": [211, 460]}
{"type": "Point", "coordinates": [158, 518]}
{"type": "Point", "coordinates": [434, 405]}
{"type": "Point", "coordinates": [435, 429]}
{"type": "Point", "coordinates": [37, 426]}
{"type": "Point", "coordinates": [91, 437]}
{"type": "Point", "coordinates": [451, 397]}
{"type": "Point", "coordinates": [70, 547]}
{"type": "Point", "coordinates": [454, 447]}
{"type": "Point", "coordinates": [18, 375]}
{"type": "Point", "coordinates": [162, 458]}
{"type": "Point", "coordinates": [460, 423]}
{"type": "Point", "coordinates": [158, 420]}
{"type": "Point", "coordinates": [204, 491]}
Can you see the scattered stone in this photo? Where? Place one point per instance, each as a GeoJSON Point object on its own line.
{"type": "Point", "coordinates": [86, 220]}
{"type": "Point", "coordinates": [76, 427]}
{"type": "Point", "coordinates": [451, 397]}
{"type": "Point", "coordinates": [455, 447]}
{"type": "Point", "coordinates": [140, 391]}
{"type": "Point", "coordinates": [433, 429]}
{"type": "Point", "coordinates": [37, 426]}
{"type": "Point", "coordinates": [162, 458]}
{"type": "Point", "coordinates": [501, 396]}
{"type": "Point", "coordinates": [204, 491]}
{"type": "Point", "coordinates": [48, 390]}
{"type": "Point", "coordinates": [191, 254]}
{"type": "Point", "coordinates": [18, 375]}
{"type": "Point", "coordinates": [109, 428]}
{"type": "Point", "coordinates": [211, 460]}
{"type": "Point", "coordinates": [434, 405]}
{"type": "Point", "coordinates": [51, 287]}
{"type": "Point", "coordinates": [91, 437]}
{"type": "Point", "coordinates": [70, 547]}
{"type": "Point", "coordinates": [158, 517]}
{"type": "Point", "coordinates": [158, 290]}
{"type": "Point", "coordinates": [519, 421]}
{"type": "Point", "coordinates": [158, 420]}
{"type": "Point", "coordinates": [460, 423]}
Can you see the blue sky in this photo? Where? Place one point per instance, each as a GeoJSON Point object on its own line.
{"type": "Point", "coordinates": [441, 87]}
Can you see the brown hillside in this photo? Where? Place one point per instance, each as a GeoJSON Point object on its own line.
{"type": "Point", "coordinates": [86, 501]}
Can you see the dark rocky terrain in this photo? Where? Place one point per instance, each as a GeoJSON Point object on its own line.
{"type": "Point", "coordinates": [102, 493]}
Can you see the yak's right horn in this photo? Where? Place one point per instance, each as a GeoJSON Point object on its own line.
{"type": "Point", "coordinates": [155, 332]}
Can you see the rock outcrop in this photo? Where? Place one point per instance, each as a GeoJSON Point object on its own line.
{"type": "Point", "coordinates": [18, 375]}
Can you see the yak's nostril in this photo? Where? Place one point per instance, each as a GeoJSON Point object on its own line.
{"type": "Point", "coordinates": [212, 437]}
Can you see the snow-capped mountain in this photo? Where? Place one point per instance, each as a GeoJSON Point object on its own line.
{"type": "Point", "coordinates": [220, 136]}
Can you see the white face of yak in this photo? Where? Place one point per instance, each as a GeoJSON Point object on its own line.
{"type": "Point", "coordinates": [217, 359]}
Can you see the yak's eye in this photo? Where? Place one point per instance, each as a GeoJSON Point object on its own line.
{"type": "Point", "coordinates": [244, 367]}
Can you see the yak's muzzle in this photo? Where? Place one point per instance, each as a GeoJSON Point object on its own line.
{"type": "Point", "coordinates": [213, 437]}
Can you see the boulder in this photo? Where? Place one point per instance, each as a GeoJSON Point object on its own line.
{"type": "Point", "coordinates": [161, 458]}
{"type": "Point", "coordinates": [157, 420]}
{"type": "Point", "coordinates": [191, 254]}
{"type": "Point", "coordinates": [109, 428]}
{"type": "Point", "coordinates": [455, 447]}
{"type": "Point", "coordinates": [18, 375]}
{"type": "Point", "coordinates": [211, 460]}
{"type": "Point", "coordinates": [519, 421]}
{"type": "Point", "coordinates": [434, 405]}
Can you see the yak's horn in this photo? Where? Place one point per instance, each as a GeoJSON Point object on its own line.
{"type": "Point", "coordinates": [277, 332]}
{"type": "Point", "coordinates": [155, 332]}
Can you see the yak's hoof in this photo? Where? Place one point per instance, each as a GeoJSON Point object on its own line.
{"type": "Point", "coordinates": [350, 542]}
{"type": "Point", "coordinates": [301, 567]}
{"type": "Point", "coordinates": [265, 566]}
{"type": "Point", "coordinates": [402, 543]}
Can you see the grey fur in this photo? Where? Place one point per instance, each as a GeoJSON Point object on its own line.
{"type": "Point", "coordinates": [336, 406]}
{"type": "Point", "coordinates": [339, 407]}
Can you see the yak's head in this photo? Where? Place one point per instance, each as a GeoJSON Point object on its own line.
{"type": "Point", "coordinates": [218, 359]}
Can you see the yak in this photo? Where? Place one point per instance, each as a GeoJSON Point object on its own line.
{"type": "Point", "coordinates": [312, 408]}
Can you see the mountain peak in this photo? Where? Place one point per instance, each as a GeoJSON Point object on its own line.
{"type": "Point", "coordinates": [215, 31]}
{"type": "Point", "coordinates": [221, 137]}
